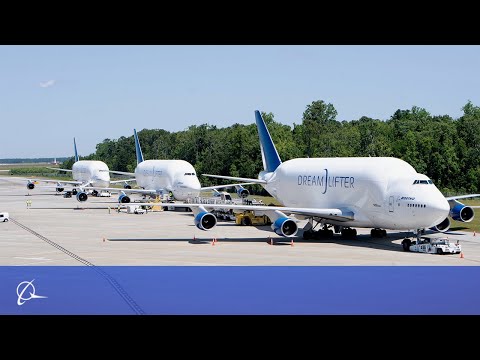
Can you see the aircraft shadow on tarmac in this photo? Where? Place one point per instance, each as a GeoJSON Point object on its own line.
{"type": "Point", "coordinates": [389, 243]}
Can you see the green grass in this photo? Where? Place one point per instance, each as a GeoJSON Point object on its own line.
{"type": "Point", "coordinates": [25, 165]}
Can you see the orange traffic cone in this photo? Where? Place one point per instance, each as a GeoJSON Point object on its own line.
{"type": "Point", "coordinates": [194, 238]}
{"type": "Point", "coordinates": [213, 242]}
{"type": "Point", "coordinates": [291, 243]}
{"type": "Point", "coordinates": [461, 255]}
{"type": "Point", "coordinates": [104, 239]}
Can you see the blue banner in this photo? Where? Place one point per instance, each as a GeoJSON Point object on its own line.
{"type": "Point", "coordinates": [342, 290]}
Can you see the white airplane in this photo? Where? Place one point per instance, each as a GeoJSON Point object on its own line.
{"type": "Point", "coordinates": [84, 173]}
{"type": "Point", "coordinates": [368, 192]}
{"type": "Point", "coordinates": [157, 177]}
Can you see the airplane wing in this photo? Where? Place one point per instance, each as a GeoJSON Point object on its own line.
{"type": "Point", "coordinates": [120, 172]}
{"type": "Point", "coordinates": [462, 197]}
{"type": "Point", "coordinates": [56, 181]}
{"type": "Point", "coordinates": [253, 181]}
{"type": "Point", "coordinates": [131, 191]}
{"type": "Point", "coordinates": [121, 181]}
{"type": "Point", "coordinates": [328, 214]}
{"type": "Point", "coordinates": [223, 186]}
{"type": "Point", "coordinates": [59, 169]}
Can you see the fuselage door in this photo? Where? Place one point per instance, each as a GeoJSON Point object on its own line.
{"type": "Point", "coordinates": [391, 202]}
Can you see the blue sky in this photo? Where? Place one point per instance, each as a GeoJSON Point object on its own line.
{"type": "Point", "coordinates": [48, 94]}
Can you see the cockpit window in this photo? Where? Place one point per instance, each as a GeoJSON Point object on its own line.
{"type": "Point", "coordinates": [416, 182]}
{"type": "Point", "coordinates": [193, 174]}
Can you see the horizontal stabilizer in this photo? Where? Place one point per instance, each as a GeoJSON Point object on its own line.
{"type": "Point", "coordinates": [58, 169]}
{"type": "Point", "coordinates": [223, 186]}
{"type": "Point", "coordinates": [253, 181]}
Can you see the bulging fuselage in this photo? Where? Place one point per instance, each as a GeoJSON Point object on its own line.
{"type": "Point", "coordinates": [381, 192]}
{"type": "Point", "coordinates": [177, 176]}
{"type": "Point", "coordinates": [91, 171]}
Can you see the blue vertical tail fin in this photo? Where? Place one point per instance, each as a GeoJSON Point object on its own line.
{"type": "Point", "coordinates": [270, 157]}
{"type": "Point", "coordinates": [138, 149]}
{"type": "Point", "coordinates": [75, 148]}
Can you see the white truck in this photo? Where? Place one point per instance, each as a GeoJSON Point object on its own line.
{"type": "Point", "coordinates": [135, 209]}
{"type": "Point", "coordinates": [432, 246]}
{"type": "Point", "coordinates": [4, 216]}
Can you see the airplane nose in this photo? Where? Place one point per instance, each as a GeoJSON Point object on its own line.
{"type": "Point", "coordinates": [439, 209]}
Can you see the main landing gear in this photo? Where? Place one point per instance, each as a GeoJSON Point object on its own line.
{"type": "Point", "coordinates": [378, 233]}
{"type": "Point", "coordinates": [325, 232]}
{"type": "Point", "coordinates": [349, 233]}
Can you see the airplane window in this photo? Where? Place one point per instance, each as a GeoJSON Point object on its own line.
{"type": "Point", "coordinates": [423, 182]}
{"type": "Point", "coordinates": [430, 181]}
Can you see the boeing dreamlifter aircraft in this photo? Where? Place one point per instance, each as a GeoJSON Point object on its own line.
{"type": "Point", "coordinates": [85, 173]}
{"type": "Point", "coordinates": [368, 192]}
{"type": "Point", "coordinates": [157, 177]}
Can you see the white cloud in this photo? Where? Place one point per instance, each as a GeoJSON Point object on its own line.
{"type": "Point", "coordinates": [47, 84]}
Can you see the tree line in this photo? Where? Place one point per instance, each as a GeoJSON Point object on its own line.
{"type": "Point", "coordinates": [445, 149]}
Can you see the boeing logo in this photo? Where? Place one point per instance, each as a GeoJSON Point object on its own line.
{"type": "Point", "coordinates": [326, 181]}
{"type": "Point", "coordinates": [22, 287]}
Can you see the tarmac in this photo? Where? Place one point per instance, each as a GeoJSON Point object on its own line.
{"type": "Point", "coordinates": [62, 231]}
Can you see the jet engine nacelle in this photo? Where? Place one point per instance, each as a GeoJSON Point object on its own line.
{"type": "Point", "coordinates": [205, 220]}
{"type": "Point", "coordinates": [124, 199]}
{"type": "Point", "coordinates": [462, 213]}
{"type": "Point", "coordinates": [59, 189]}
{"type": "Point", "coordinates": [82, 196]}
{"type": "Point", "coordinates": [30, 185]}
{"type": "Point", "coordinates": [241, 191]}
{"type": "Point", "coordinates": [126, 186]}
{"type": "Point", "coordinates": [443, 226]}
{"type": "Point", "coordinates": [285, 226]}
